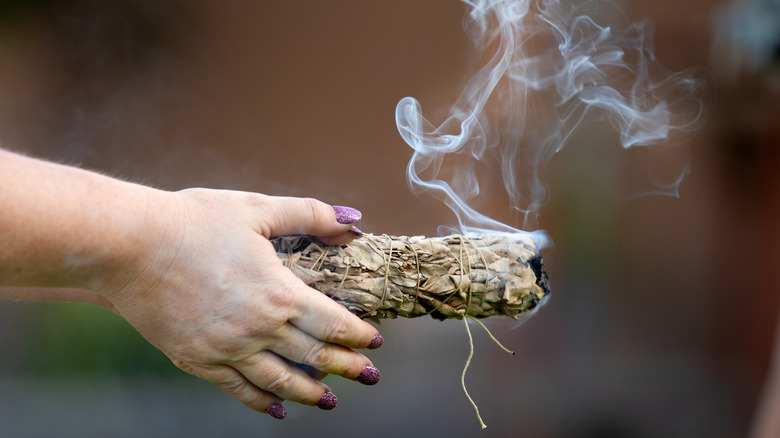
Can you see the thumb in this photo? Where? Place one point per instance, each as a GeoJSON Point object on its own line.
{"type": "Point", "coordinates": [287, 215]}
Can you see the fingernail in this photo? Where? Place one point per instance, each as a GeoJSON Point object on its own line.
{"type": "Point", "coordinates": [369, 376]}
{"type": "Point", "coordinates": [328, 401]}
{"type": "Point", "coordinates": [277, 411]}
{"type": "Point", "coordinates": [356, 230]}
{"type": "Point", "coordinates": [346, 215]}
{"type": "Point", "coordinates": [376, 342]}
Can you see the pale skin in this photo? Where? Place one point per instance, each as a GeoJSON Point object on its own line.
{"type": "Point", "coordinates": [193, 271]}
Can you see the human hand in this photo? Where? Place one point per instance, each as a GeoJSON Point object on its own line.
{"type": "Point", "coordinates": [207, 289]}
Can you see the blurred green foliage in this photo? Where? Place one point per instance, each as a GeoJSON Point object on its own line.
{"type": "Point", "coordinates": [75, 339]}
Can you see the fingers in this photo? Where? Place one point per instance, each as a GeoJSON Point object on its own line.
{"type": "Point", "coordinates": [315, 313]}
{"type": "Point", "coordinates": [328, 358]}
{"type": "Point", "coordinates": [283, 215]}
{"type": "Point", "coordinates": [241, 389]}
{"type": "Point", "coordinates": [263, 380]}
{"type": "Point", "coordinates": [331, 322]}
{"type": "Point", "coordinates": [318, 315]}
{"type": "Point", "coordinates": [275, 375]}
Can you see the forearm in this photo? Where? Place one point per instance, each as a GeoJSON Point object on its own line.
{"type": "Point", "coordinates": [63, 227]}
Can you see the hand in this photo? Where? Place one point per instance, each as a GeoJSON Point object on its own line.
{"type": "Point", "coordinates": [208, 290]}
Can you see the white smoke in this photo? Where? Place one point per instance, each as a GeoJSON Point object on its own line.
{"type": "Point", "coordinates": [553, 69]}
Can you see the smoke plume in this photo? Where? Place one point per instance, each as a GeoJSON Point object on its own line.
{"type": "Point", "coordinates": [550, 70]}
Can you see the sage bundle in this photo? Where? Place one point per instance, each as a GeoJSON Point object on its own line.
{"type": "Point", "coordinates": [455, 276]}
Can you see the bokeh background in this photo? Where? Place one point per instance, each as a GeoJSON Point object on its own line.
{"type": "Point", "coordinates": [663, 311]}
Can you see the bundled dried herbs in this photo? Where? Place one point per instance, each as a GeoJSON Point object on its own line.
{"type": "Point", "coordinates": [445, 277]}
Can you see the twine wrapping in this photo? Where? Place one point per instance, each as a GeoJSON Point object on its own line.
{"type": "Point", "coordinates": [455, 276]}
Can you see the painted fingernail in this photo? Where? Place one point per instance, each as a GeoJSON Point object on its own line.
{"type": "Point", "coordinates": [369, 376]}
{"type": "Point", "coordinates": [346, 215]}
{"type": "Point", "coordinates": [356, 230]}
{"type": "Point", "coordinates": [277, 411]}
{"type": "Point", "coordinates": [328, 401]}
{"type": "Point", "coordinates": [376, 342]}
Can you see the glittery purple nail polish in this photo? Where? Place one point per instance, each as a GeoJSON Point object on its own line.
{"type": "Point", "coordinates": [369, 376]}
{"type": "Point", "coordinates": [376, 342]}
{"type": "Point", "coordinates": [356, 230]}
{"type": "Point", "coordinates": [277, 411]}
{"type": "Point", "coordinates": [346, 215]}
{"type": "Point", "coordinates": [328, 401]}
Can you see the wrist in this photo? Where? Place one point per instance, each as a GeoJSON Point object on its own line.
{"type": "Point", "coordinates": [142, 237]}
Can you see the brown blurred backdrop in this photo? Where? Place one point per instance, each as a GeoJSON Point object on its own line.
{"type": "Point", "coordinates": [663, 309]}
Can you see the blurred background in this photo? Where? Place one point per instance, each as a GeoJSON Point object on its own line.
{"type": "Point", "coordinates": [663, 309]}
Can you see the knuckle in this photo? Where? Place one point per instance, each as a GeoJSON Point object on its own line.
{"type": "Point", "coordinates": [261, 212]}
{"type": "Point", "coordinates": [184, 366]}
{"type": "Point", "coordinates": [257, 200]}
{"type": "Point", "coordinates": [216, 348]}
{"type": "Point", "coordinates": [195, 352]}
{"type": "Point", "coordinates": [278, 296]}
{"type": "Point", "coordinates": [338, 329]}
{"type": "Point", "coordinates": [311, 209]}
{"type": "Point", "coordinates": [281, 382]}
{"type": "Point", "coordinates": [319, 356]}
{"type": "Point", "coordinates": [233, 387]}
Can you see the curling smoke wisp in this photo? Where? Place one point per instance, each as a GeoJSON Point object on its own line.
{"type": "Point", "coordinates": [551, 69]}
